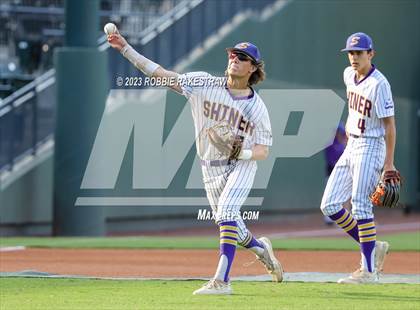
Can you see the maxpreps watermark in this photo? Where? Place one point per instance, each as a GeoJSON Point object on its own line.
{"type": "Point", "coordinates": [182, 80]}
{"type": "Point", "coordinates": [209, 215]}
{"type": "Point", "coordinates": [135, 120]}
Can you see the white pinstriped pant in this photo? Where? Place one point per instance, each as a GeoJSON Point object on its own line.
{"type": "Point", "coordinates": [355, 176]}
{"type": "Point", "coordinates": [227, 191]}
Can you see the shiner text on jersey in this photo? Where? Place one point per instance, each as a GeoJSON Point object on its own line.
{"type": "Point", "coordinates": [359, 103]}
{"type": "Point", "coordinates": [219, 112]}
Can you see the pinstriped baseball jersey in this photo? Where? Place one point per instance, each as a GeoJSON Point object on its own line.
{"type": "Point", "coordinates": [227, 186]}
{"type": "Point", "coordinates": [213, 104]}
{"type": "Point", "coordinates": [369, 100]}
{"type": "Point", "coordinates": [358, 169]}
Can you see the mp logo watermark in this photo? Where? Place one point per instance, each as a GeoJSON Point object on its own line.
{"type": "Point", "coordinates": [303, 123]}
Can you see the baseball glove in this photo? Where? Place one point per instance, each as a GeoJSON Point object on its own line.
{"type": "Point", "coordinates": [221, 136]}
{"type": "Point", "coordinates": [387, 192]}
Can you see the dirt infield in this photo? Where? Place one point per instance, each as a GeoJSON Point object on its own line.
{"type": "Point", "coordinates": [186, 263]}
{"type": "Point", "coordinates": [202, 263]}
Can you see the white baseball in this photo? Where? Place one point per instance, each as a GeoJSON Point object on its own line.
{"type": "Point", "coordinates": [110, 28]}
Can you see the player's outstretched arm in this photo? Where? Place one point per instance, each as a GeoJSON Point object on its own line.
{"type": "Point", "coordinates": [147, 66]}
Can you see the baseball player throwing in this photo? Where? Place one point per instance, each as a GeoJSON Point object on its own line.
{"type": "Point", "coordinates": [233, 131]}
{"type": "Point", "coordinates": [371, 130]}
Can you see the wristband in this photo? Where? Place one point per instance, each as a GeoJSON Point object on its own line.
{"type": "Point", "coordinates": [245, 155]}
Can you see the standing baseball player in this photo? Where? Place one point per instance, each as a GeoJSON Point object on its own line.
{"type": "Point", "coordinates": [370, 148]}
{"type": "Point", "coordinates": [233, 131]}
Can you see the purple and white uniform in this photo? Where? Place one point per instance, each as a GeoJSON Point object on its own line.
{"type": "Point", "coordinates": [358, 169]}
{"type": "Point", "coordinates": [227, 184]}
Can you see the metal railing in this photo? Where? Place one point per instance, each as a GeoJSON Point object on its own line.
{"type": "Point", "coordinates": [27, 117]}
{"type": "Point", "coordinates": [31, 29]}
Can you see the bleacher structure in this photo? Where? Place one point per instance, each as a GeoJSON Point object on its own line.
{"type": "Point", "coordinates": [32, 29]}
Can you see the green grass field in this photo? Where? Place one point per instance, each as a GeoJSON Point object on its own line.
{"type": "Point", "coordinates": [399, 242]}
{"type": "Point", "coordinates": [108, 294]}
{"type": "Point", "coordinates": [43, 293]}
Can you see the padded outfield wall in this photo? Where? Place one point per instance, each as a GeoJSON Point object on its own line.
{"type": "Point", "coordinates": [300, 45]}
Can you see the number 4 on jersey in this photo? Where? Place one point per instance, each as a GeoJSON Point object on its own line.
{"type": "Point", "coordinates": [361, 125]}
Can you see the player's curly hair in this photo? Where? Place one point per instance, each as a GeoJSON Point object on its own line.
{"type": "Point", "coordinates": [258, 75]}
